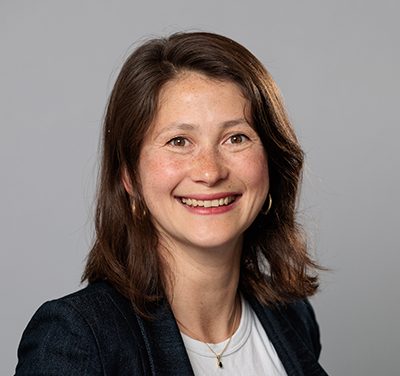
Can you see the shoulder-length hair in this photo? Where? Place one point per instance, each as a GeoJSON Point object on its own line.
{"type": "Point", "coordinates": [275, 265]}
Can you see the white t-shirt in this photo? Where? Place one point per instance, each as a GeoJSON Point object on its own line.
{"type": "Point", "coordinates": [250, 352]}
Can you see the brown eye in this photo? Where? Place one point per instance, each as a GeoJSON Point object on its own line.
{"type": "Point", "coordinates": [237, 138]}
{"type": "Point", "coordinates": [178, 141]}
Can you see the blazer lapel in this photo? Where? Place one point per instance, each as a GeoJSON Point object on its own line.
{"type": "Point", "coordinates": [164, 344]}
{"type": "Point", "coordinates": [296, 358]}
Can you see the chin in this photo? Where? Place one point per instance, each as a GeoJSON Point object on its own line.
{"type": "Point", "coordinates": [215, 244]}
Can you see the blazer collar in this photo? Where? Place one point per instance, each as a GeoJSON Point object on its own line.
{"type": "Point", "coordinates": [295, 356]}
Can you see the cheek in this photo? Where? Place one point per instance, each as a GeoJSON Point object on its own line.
{"type": "Point", "coordinates": [158, 174]}
{"type": "Point", "coordinates": [254, 171]}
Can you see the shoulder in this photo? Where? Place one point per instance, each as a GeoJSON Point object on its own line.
{"type": "Point", "coordinates": [301, 318]}
{"type": "Point", "coordinates": [81, 333]}
{"type": "Point", "coordinates": [92, 303]}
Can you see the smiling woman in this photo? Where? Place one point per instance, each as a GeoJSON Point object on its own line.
{"type": "Point", "coordinates": [198, 266]}
{"type": "Point", "coordinates": [205, 156]}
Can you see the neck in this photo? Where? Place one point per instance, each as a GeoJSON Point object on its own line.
{"type": "Point", "coordinates": [204, 291]}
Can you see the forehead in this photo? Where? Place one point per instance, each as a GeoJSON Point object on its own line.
{"type": "Point", "coordinates": [196, 95]}
{"type": "Point", "coordinates": [194, 82]}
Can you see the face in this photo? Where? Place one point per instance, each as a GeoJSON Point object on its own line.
{"type": "Point", "coordinates": [202, 167]}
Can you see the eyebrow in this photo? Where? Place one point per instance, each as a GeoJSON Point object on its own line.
{"type": "Point", "coordinates": [232, 123]}
{"type": "Point", "coordinates": [188, 126]}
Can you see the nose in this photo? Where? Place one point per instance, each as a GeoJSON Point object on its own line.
{"type": "Point", "coordinates": [209, 167]}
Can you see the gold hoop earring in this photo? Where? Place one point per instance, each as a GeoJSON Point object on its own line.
{"type": "Point", "coordinates": [134, 210]}
{"type": "Point", "coordinates": [265, 212]}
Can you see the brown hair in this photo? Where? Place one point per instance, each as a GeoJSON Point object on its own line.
{"type": "Point", "coordinates": [275, 265]}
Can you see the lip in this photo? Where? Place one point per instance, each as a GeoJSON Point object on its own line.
{"type": "Point", "coordinates": [202, 210]}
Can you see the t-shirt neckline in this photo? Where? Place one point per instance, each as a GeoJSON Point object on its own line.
{"type": "Point", "coordinates": [238, 340]}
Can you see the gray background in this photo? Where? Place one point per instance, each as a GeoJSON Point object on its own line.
{"type": "Point", "coordinates": [337, 64]}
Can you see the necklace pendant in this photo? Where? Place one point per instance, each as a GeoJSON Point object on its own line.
{"type": "Point", "coordinates": [219, 363]}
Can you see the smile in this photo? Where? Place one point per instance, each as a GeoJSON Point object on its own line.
{"type": "Point", "coordinates": [208, 203]}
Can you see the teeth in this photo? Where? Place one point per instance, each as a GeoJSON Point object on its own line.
{"type": "Point", "coordinates": [208, 203]}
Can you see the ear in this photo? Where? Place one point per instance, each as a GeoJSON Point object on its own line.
{"type": "Point", "coordinates": [126, 181]}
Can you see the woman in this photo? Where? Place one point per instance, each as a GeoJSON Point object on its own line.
{"type": "Point", "coordinates": [198, 264]}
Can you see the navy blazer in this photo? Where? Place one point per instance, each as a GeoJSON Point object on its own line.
{"type": "Point", "coordinates": [95, 331]}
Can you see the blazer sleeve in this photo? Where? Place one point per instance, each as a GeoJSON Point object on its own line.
{"type": "Point", "coordinates": [58, 341]}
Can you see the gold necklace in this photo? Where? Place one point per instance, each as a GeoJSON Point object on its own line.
{"type": "Point", "coordinates": [219, 355]}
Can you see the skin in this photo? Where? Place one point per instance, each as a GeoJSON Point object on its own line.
{"type": "Point", "coordinates": [201, 147]}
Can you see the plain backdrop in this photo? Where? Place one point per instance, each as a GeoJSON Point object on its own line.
{"type": "Point", "coordinates": [337, 64]}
